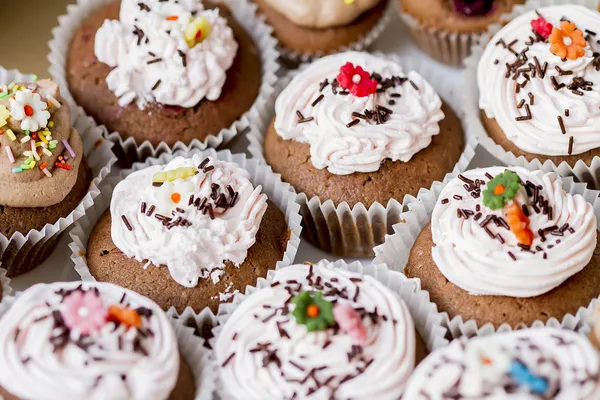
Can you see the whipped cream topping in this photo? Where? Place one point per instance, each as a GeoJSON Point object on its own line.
{"type": "Point", "coordinates": [476, 249]}
{"type": "Point", "coordinates": [552, 107]}
{"type": "Point", "coordinates": [322, 13]}
{"type": "Point", "coordinates": [313, 109]}
{"type": "Point", "coordinates": [192, 224]}
{"type": "Point", "coordinates": [263, 353]}
{"type": "Point", "coordinates": [169, 52]}
{"type": "Point", "coordinates": [542, 363]}
{"type": "Point", "coordinates": [45, 354]}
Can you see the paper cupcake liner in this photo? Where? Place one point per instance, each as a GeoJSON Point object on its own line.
{"type": "Point", "coordinates": [444, 46]}
{"type": "Point", "coordinates": [198, 358]}
{"type": "Point", "coordinates": [202, 323]}
{"type": "Point", "coordinates": [353, 231]}
{"type": "Point", "coordinates": [472, 114]}
{"type": "Point", "coordinates": [257, 116]}
{"type": "Point", "coordinates": [5, 297]}
{"type": "Point", "coordinates": [21, 253]}
{"type": "Point", "coordinates": [293, 58]}
{"type": "Point", "coordinates": [278, 192]}
{"type": "Point", "coordinates": [428, 321]}
{"type": "Point", "coordinates": [395, 253]}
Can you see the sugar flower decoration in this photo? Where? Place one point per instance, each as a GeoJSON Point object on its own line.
{"type": "Point", "coordinates": [126, 316]}
{"type": "Point", "coordinates": [501, 190]}
{"type": "Point", "coordinates": [356, 80]}
{"type": "Point", "coordinates": [84, 311]}
{"type": "Point", "coordinates": [542, 27]}
{"type": "Point", "coordinates": [4, 115]}
{"type": "Point", "coordinates": [197, 31]}
{"type": "Point", "coordinates": [174, 194]}
{"type": "Point", "coordinates": [174, 174]}
{"type": "Point", "coordinates": [488, 360]}
{"type": "Point", "coordinates": [29, 108]}
{"type": "Point", "coordinates": [313, 311]}
{"type": "Point", "coordinates": [350, 322]}
{"type": "Point", "coordinates": [524, 377]}
{"type": "Point", "coordinates": [567, 41]}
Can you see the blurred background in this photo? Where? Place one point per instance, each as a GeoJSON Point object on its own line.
{"type": "Point", "coordinates": [25, 31]}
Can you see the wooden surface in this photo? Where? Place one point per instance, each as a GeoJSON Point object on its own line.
{"type": "Point", "coordinates": [25, 31]}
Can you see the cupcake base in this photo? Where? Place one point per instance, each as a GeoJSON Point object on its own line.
{"type": "Point", "coordinates": [576, 292]}
{"type": "Point", "coordinates": [86, 78]}
{"type": "Point", "coordinates": [499, 137]}
{"type": "Point", "coordinates": [393, 180]}
{"type": "Point", "coordinates": [108, 264]}
{"type": "Point", "coordinates": [304, 40]}
{"type": "Point", "coordinates": [17, 260]}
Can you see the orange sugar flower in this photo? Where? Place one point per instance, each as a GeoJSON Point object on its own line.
{"type": "Point", "coordinates": [567, 41]}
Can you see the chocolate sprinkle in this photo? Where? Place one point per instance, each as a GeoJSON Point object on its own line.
{"type": "Point", "coordinates": [562, 125]}
{"type": "Point", "coordinates": [126, 222]}
{"type": "Point", "coordinates": [314, 103]}
{"type": "Point", "coordinates": [570, 145]}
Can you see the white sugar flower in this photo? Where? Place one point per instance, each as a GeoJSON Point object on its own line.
{"type": "Point", "coordinates": [29, 108]}
{"type": "Point", "coordinates": [174, 194]}
{"type": "Point", "coordinates": [489, 359]}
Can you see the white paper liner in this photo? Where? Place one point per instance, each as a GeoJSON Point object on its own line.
{"type": "Point", "coordinates": [278, 192]}
{"type": "Point", "coordinates": [363, 228]}
{"type": "Point", "coordinates": [293, 58]}
{"type": "Point", "coordinates": [472, 114]}
{"type": "Point", "coordinates": [203, 322]}
{"type": "Point", "coordinates": [99, 157]}
{"type": "Point", "coordinates": [198, 358]}
{"type": "Point", "coordinates": [257, 116]}
{"type": "Point", "coordinates": [5, 297]}
{"type": "Point", "coordinates": [395, 253]}
{"type": "Point", "coordinates": [428, 321]}
{"type": "Point", "coordinates": [446, 47]}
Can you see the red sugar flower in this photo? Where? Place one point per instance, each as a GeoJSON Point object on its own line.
{"type": "Point", "coordinates": [542, 27]}
{"type": "Point", "coordinates": [356, 80]}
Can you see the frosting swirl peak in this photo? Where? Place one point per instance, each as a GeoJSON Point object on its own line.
{"type": "Point", "coordinates": [545, 104]}
{"type": "Point", "coordinates": [87, 341]}
{"type": "Point", "coordinates": [191, 215]}
{"type": "Point", "coordinates": [530, 364]}
{"type": "Point", "coordinates": [485, 252]}
{"type": "Point", "coordinates": [173, 53]}
{"type": "Point", "coordinates": [348, 133]}
{"type": "Point", "coordinates": [266, 352]}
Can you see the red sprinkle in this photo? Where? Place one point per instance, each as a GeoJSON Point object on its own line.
{"type": "Point", "coordinates": [63, 166]}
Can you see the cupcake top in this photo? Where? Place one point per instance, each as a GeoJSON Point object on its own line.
{"type": "Point", "coordinates": [322, 13]}
{"type": "Point", "coordinates": [355, 110]}
{"type": "Point", "coordinates": [40, 153]}
{"type": "Point", "coordinates": [511, 232]}
{"type": "Point", "coordinates": [87, 341]}
{"type": "Point", "coordinates": [192, 215]}
{"type": "Point", "coordinates": [169, 52]}
{"type": "Point", "coordinates": [317, 332]}
{"type": "Point", "coordinates": [539, 78]}
{"type": "Point", "coordinates": [543, 363]}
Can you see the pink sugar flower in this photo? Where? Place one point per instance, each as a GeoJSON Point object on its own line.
{"type": "Point", "coordinates": [84, 311]}
{"type": "Point", "coordinates": [350, 322]}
